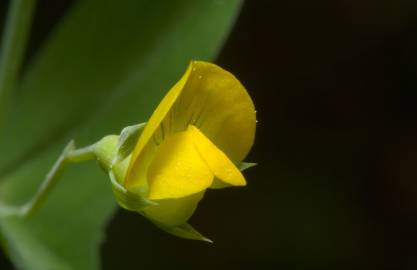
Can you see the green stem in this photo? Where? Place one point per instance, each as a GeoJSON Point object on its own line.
{"type": "Point", "coordinates": [69, 155]}
{"type": "Point", "coordinates": [82, 154]}
{"type": "Point", "coordinates": [105, 151]}
{"type": "Point", "coordinates": [15, 36]}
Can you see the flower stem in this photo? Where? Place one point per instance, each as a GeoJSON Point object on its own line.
{"type": "Point", "coordinates": [15, 36]}
{"type": "Point", "coordinates": [105, 151]}
{"type": "Point", "coordinates": [69, 155]}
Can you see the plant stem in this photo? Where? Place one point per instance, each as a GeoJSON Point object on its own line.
{"type": "Point", "coordinates": [69, 155]}
{"type": "Point", "coordinates": [48, 184]}
{"type": "Point", "coordinates": [15, 36]}
{"type": "Point", "coordinates": [104, 151]}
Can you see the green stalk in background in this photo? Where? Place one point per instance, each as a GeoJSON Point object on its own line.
{"type": "Point", "coordinates": [15, 36]}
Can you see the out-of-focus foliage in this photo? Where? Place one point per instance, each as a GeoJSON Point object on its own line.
{"type": "Point", "coordinates": [105, 66]}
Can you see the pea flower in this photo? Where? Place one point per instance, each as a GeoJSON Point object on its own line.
{"type": "Point", "coordinates": [196, 139]}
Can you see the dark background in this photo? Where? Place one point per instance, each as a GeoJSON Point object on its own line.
{"type": "Point", "coordinates": [334, 83]}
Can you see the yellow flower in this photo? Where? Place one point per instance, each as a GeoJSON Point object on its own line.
{"type": "Point", "coordinates": [195, 140]}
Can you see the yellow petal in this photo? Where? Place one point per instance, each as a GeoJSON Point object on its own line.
{"type": "Point", "coordinates": [214, 101]}
{"type": "Point", "coordinates": [220, 165]}
{"type": "Point", "coordinates": [145, 148]}
{"type": "Point", "coordinates": [177, 169]}
{"type": "Point", "coordinates": [173, 212]}
{"type": "Point", "coordinates": [209, 98]}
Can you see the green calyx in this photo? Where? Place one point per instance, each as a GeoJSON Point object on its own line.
{"type": "Point", "coordinates": [113, 154]}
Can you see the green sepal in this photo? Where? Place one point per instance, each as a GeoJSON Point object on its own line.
{"type": "Point", "coordinates": [127, 141]}
{"type": "Point", "coordinates": [246, 165]}
{"type": "Point", "coordinates": [183, 231]}
{"type": "Point", "coordinates": [105, 151]}
{"type": "Point", "coordinates": [126, 199]}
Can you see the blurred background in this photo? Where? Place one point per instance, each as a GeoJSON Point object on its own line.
{"type": "Point", "coordinates": [334, 83]}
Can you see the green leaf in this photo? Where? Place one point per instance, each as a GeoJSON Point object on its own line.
{"type": "Point", "coordinates": [105, 66]}
{"type": "Point", "coordinates": [26, 251]}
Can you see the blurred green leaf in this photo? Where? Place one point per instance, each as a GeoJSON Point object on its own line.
{"type": "Point", "coordinates": [105, 66]}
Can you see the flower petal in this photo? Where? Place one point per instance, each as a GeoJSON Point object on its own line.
{"type": "Point", "coordinates": [209, 98]}
{"type": "Point", "coordinates": [145, 148]}
{"type": "Point", "coordinates": [173, 212]}
{"type": "Point", "coordinates": [177, 169]}
{"type": "Point", "coordinates": [220, 165]}
{"type": "Point", "coordinates": [216, 103]}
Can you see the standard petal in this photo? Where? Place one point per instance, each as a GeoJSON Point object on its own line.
{"type": "Point", "coordinates": [220, 165]}
{"type": "Point", "coordinates": [209, 98]}
{"type": "Point", "coordinates": [216, 103]}
{"type": "Point", "coordinates": [177, 169]}
{"type": "Point", "coordinates": [173, 212]}
{"type": "Point", "coordinates": [145, 147]}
